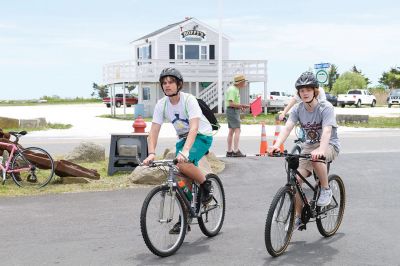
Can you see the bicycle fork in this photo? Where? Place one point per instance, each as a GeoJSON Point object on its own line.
{"type": "Point", "coordinates": [170, 211]}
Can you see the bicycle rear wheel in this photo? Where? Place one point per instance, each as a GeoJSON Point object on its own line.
{"type": "Point", "coordinates": [160, 212]}
{"type": "Point", "coordinates": [279, 223]}
{"type": "Point", "coordinates": [32, 167]}
{"type": "Point", "coordinates": [328, 223]}
{"type": "Point", "coordinates": [211, 220]}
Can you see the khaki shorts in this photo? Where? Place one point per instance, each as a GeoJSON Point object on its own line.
{"type": "Point", "coordinates": [233, 117]}
{"type": "Point", "coordinates": [330, 155]}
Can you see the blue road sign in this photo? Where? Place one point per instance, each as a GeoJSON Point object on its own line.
{"type": "Point", "coordinates": [322, 65]}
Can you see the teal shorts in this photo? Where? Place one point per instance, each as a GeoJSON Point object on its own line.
{"type": "Point", "coordinates": [199, 148]}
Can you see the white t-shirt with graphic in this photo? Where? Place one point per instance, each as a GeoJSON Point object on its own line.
{"type": "Point", "coordinates": [179, 115]}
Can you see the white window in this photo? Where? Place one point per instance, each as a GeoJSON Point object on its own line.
{"type": "Point", "coordinates": [144, 52]}
{"type": "Point", "coordinates": [203, 54]}
{"type": "Point", "coordinates": [179, 52]}
{"type": "Point", "coordinates": [146, 93]}
{"type": "Point", "coordinates": [191, 51]}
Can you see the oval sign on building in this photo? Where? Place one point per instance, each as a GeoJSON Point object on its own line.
{"type": "Point", "coordinates": [193, 35]}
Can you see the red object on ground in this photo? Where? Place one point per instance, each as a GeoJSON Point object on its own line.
{"type": "Point", "coordinates": [139, 125]}
{"type": "Point", "coordinates": [256, 107]}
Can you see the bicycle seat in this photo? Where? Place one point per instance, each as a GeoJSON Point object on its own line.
{"type": "Point", "coordinates": [21, 133]}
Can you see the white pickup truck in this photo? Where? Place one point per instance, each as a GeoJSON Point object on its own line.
{"type": "Point", "coordinates": [357, 98]}
{"type": "Point", "coordinates": [277, 101]}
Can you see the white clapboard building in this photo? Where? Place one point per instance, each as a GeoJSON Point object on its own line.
{"type": "Point", "coordinates": [190, 46]}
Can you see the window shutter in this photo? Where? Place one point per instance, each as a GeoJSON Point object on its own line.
{"type": "Point", "coordinates": [212, 51]}
{"type": "Point", "coordinates": [150, 51]}
{"type": "Point", "coordinates": [171, 51]}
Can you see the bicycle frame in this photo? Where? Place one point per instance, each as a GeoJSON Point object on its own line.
{"type": "Point", "coordinates": [193, 206]}
{"type": "Point", "coordinates": [311, 207]}
{"type": "Point", "coordinates": [6, 167]}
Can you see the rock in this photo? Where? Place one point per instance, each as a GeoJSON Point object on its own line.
{"type": "Point", "coordinates": [6, 122]}
{"type": "Point", "coordinates": [153, 176]}
{"type": "Point", "coordinates": [87, 152]}
{"type": "Point", "coordinates": [146, 175]}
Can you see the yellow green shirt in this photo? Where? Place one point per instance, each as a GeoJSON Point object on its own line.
{"type": "Point", "coordinates": [232, 94]}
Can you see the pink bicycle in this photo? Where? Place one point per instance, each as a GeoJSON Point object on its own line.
{"type": "Point", "coordinates": [28, 167]}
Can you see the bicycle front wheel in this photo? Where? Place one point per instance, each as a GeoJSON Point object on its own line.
{"type": "Point", "coordinates": [213, 213]}
{"type": "Point", "coordinates": [328, 222]}
{"type": "Point", "coordinates": [32, 167]}
{"type": "Point", "coordinates": [279, 223]}
{"type": "Point", "coordinates": [161, 210]}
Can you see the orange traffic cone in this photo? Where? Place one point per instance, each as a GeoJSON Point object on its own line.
{"type": "Point", "coordinates": [277, 131]}
{"type": "Point", "coordinates": [264, 143]}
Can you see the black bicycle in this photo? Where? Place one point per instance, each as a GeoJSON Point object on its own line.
{"type": "Point", "coordinates": [280, 218]}
{"type": "Point", "coordinates": [168, 204]}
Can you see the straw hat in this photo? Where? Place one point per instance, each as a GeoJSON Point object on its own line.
{"type": "Point", "coordinates": [239, 78]}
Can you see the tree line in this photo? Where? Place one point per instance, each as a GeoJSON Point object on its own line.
{"type": "Point", "coordinates": [355, 79]}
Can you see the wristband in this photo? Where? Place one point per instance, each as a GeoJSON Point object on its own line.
{"type": "Point", "coordinates": [152, 153]}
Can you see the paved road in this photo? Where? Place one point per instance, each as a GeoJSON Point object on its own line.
{"type": "Point", "coordinates": [102, 228]}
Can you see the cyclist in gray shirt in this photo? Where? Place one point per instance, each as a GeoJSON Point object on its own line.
{"type": "Point", "coordinates": [317, 119]}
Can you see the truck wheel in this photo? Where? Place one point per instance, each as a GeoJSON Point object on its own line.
{"type": "Point", "coordinates": [389, 105]}
{"type": "Point", "coordinates": [342, 105]}
{"type": "Point", "coordinates": [128, 105]}
{"type": "Point", "coordinates": [358, 104]}
{"type": "Point", "coordinates": [118, 104]}
{"type": "Point", "coordinates": [373, 103]}
{"type": "Point", "coordinates": [108, 105]}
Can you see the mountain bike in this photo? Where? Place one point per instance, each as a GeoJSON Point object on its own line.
{"type": "Point", "coordinates": [28, 167]}
{"type": "Point", "coordinates": [167, 204]}
{"type": "Point", "coordinates": [280, 218]}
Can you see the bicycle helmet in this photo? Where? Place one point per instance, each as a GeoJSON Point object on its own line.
{"type": "Point", "coordinates": [172, 72]}
{"type": "Point", "coordinates": [307, 79]}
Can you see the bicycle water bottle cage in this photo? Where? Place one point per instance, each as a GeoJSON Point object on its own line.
{"type": "Point", "coordinates": [293, 162]}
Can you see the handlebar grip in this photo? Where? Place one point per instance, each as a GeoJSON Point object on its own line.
{"type": "Point", "coordinates": [175, 161]}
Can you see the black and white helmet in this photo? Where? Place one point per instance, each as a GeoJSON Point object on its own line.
{"type": "Point", "coordinates": [307, 79]}
{"type": "Point", "coordinates": [170, 71]}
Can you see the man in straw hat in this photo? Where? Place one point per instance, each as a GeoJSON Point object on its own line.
{"type": "Point", "coordinates": [233, 107]}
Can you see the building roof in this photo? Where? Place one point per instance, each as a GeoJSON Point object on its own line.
{"type": "Point", "coordinates": [162, 30]}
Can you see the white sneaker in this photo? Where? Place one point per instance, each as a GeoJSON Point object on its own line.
{"type": "Point", "coordinates": [325, 197]}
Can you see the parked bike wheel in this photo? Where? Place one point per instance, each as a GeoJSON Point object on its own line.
{"type": "Point", "coordinates": [213, 213]}
{"type": "Point", "coordinates": [329, 222]}
{"type": "Point", "coordinates": [160, 212]}
{"type": "Point", "coordinates": [279, 223]}
{"type": "Point", "coordinates": [32, 167]}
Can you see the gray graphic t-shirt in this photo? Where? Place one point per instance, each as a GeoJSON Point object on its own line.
{"type": "Point", "coordinates": [313, 122]}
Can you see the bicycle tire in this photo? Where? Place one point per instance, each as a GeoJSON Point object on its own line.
{"type": "Point", "coordinates": [34, 167]}
{"type": "Point", "coordinates": [280, 221]}
{"type": "Point", "coordinates": [328, 224]}
{"type": "Point", "coordinates": [214, 209]}
{"type": "Point", "coordinates": [148, 225]}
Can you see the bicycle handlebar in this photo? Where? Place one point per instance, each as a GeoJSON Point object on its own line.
{"type": "Point", "coordinates": [161, 162]}
{"type": "Point", "coordinates": [286, 154]}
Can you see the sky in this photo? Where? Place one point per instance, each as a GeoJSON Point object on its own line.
{"type": "Point", "coordinates": [58, 47]}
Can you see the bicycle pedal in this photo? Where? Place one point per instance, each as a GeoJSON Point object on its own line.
{"type": "Point", "coordinates": [302, 227]}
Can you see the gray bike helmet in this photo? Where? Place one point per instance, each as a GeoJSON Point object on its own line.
{"type": "Point", "coordinates": [170, 71]}
{"type": "Point", "coordinates": [307, 79]}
